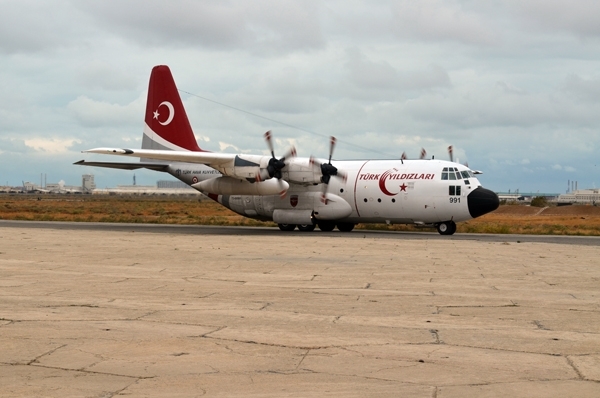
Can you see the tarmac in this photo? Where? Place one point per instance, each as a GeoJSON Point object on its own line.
{"type": "Point", "coordinates": [88, 313]}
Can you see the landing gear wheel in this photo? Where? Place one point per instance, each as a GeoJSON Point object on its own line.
{"type": "Point", "coordinates": [446, 228]}
{"type": "Point", "coordinates": [326, 226]}
{"type": "Point", "coordinates": [306, 227]}
{"type": "Point", "coordinates": [287, 227]}
{"type": "Point", "coordinates": [345, 226]}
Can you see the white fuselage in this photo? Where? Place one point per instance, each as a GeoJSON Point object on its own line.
{"type": "Point", "coordinates": [376, 191]}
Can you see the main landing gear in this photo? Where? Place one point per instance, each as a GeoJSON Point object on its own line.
{"type": "Point", "coordinates": [446, 228]}
{"type": "Point", "coordinates": [325, 226]}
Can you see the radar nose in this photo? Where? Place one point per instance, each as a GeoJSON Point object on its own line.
{"type": "Point", "coordinates": [482, 201]}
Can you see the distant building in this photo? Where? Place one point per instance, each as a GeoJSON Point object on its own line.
{"type": "Point", "coordinates": [172, 184]}
{"type": "Point", "coordinates": [580, 197]}
{"type": "Point", "coordinates": [88, 186]}
{"type": "Point", "coordinates": [525, 197]}
{"type": "Point", "coordinates": [87, 183]}
{"type": "Point", "coordinates": [161, 188]}
{"type": "Point", "coordinates": [30, 186]}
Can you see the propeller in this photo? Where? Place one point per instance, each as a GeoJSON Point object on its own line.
{"type": "Point", "coordinates": [403, 157]}
{"type": "Point", "coordinates": [328, 170]}
{"type": "Point", "coordinates": [423, 153]}
{"type": "Point", "coordinates": [275, 165]}
{"type": "Point", "coordinates": [451, 155]}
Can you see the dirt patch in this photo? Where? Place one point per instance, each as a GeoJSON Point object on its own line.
{"type": "Point", "coordinates": [591, 211]}
{"type": "Point", "coordinates": [523, 210]}
{"type": "Point", "coordinates": [517, 210]}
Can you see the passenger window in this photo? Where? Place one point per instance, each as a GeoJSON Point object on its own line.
{"type": "Point", "coordinates": [452, 190]}
{"type": "Point", "coordinates": [458, 190]}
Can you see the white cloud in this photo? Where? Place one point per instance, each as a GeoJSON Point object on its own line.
{"type": "Point", "coordinates": [439, 20]}
{"type": "Point", "coordinates": [578, 17]}
{"type": "Point", "coordinates": [225, 147]}
{"type": "Point", "coordinates": [52, 146]}
{"type": "Point", "coordinates": [91, 113]}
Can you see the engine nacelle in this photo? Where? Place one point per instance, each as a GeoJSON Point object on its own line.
{"type": "Point", "coordinates": [232, 186]}
{"type": "Point", "coordinates": [335, 209]}
{"type": "Point", "coordinates": [300, 171]}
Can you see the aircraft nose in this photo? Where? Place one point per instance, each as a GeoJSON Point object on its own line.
{"type": "Point", "coordinates": [482, 201]}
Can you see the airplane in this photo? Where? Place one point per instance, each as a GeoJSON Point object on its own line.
{"type": "Point", "coordinates": [297, 192]}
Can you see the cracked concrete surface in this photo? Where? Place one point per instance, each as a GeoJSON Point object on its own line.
{"type": "Point", "coordinates": [107, 314]}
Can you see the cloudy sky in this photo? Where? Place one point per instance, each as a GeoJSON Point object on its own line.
{"type": "Point", "coordinates": [513, 85]}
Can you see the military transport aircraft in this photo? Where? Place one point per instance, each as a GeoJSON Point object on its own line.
{"type": "Point", "coordinates": [302, 192]}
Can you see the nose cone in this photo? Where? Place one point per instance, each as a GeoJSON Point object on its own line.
{"type": "Point", "coordinates": [482, 201]}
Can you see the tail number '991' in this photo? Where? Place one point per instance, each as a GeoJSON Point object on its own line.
{"type": "Point", "coordinates": [454, 200]}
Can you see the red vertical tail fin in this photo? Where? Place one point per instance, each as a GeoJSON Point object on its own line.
{"type": "Point", "coordinates": [167, 126]}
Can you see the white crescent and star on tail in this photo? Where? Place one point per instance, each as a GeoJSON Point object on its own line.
{"type": "Point", "coordinates": [171, 113]}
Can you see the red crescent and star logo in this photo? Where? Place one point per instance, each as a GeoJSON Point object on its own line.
{"type": "Point", "coordinates": [394, 175]}
{"type": "Point", "coordinates": [383, 180]}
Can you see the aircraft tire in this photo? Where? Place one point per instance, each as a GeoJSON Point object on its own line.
{"type": "Point", "coordinates": [306, 227]}
{"type": "Point", "coordinates": [326, 226]}
{"type": "Point", "coordinates": [287, 227]}
{"type": "Point", "coordinates": [345, 226]}
{"type": "Point", "coordinates": [446, 228]}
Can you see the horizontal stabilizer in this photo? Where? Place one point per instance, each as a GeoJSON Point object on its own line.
{"type": "Point", "coordinates": [125, 166]}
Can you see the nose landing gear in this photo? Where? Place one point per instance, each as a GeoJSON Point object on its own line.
{"type": "Point", "coordinates": [446, 228]}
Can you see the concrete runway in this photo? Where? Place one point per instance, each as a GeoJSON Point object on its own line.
{"type": "Point", "coordinates": [105, 311]}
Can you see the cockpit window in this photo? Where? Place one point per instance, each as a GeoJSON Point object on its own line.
{"type": "Point", "coordinates": [452, 173]}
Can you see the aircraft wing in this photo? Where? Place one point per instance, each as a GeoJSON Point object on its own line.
{"type": "Point", "coordinates": [208, 158]}
{"type": "Point", "coordinates": [237, 166]}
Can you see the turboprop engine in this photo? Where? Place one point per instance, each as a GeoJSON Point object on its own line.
{"type": "Point", "coordinates": [232, 186]}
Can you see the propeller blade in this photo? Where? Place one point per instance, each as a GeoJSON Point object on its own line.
{"type": "Point", "coordinates": [403, 157]}
{"type": "Point", "coordinates": [269, 142]}
{"type": "Point", "coordinates": [262, 175]}
{"type": "Point", "coordinates": [282, 189]}
{"type": "Point", "coordinates": [291, 153]}
{"type": "Point", "coordinates": [324, 193]}
{"type": "Point", "coordinates": [450, 150]}
{"type": "Point", "coordinates": [423, 153]}
{"type": "Point", "coordinates": [332, 141]}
